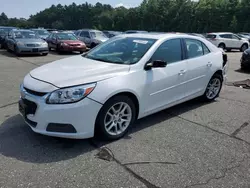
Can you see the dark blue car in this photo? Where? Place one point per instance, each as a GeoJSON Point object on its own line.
{"type": "Point", "coordinates": [4, 31]}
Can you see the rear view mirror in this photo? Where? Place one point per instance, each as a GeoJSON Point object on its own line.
{"type": "Point", "coordinates": [155, 64]}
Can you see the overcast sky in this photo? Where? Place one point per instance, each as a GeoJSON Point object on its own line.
{"type": "Point", "coordinates": [24, 8]}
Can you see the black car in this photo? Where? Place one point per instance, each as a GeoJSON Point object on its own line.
{"type": "Point", "coordinates": [245, 59]}
{"type": "Point", "coordinates": [4, 31]}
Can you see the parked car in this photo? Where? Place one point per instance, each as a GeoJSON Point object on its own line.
{"type": "Point", "coordinates": [52, 30]}
{"type": "Point", "coordinates": [245, 59]}
{"type": "Point", "coordinates": [244, 37]}
{"type": "Point", "coordinates": [134, 31]}
{"type": "Point", "coordinates": [23, 41]}
{"type": "Point", "coordinates": [42, 33]}
{"type": "Point", "coordinates": [91, 37]}
{"type": "Point", "coordinates": [228, 41]}
{"type": "Point", "coordinates": [105, 90]}
{"type": "Point", "coordinates": [4, 31]}
{"type": "Point", "coordinates": [65, 42]}
{"type": "Point", "coordinates": [111, 34]}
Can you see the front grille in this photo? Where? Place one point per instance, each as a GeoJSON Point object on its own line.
{"type": "Point", "coordinates": [30, 107]}
{"type": "Point", "coordinates": [32, 45]}
{"type": "Point", "coordinates": [40, 94]}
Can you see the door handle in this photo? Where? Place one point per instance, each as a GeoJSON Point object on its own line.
{"type": "Point", "coordinates": [209, 64]}
{"type": "Point", "coordinates": [182, 72]}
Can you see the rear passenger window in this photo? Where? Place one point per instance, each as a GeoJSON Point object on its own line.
{"type": "Point", "coordinates": [169, 51]}
{"type": "Point", "coordinates": [205, 49]}
{"type": "Point", "coordinates": [194, 48]}
{"type": "Point", "coordinates": [226, 36]}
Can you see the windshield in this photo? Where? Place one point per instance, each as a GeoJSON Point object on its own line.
{"type": "Point", "coordinates": [98, 34]}
{"type": "Point", "coordinates": [42, 32]}
{"type": "Point", "coordinates": [127, 50]}
{"type": "Point", "coordinates": [66, 36]}
{"type": "Point", "coordinates": [25, 35]}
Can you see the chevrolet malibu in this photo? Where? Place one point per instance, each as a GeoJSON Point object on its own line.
{"type": "Point", "coordinates": [128, 77]}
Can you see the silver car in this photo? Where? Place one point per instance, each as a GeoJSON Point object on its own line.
{"type": "Point", "coordinates": [90, 37]}
{"type": "Point", "coordinates": [42, 33]}
{"type": "Point", "coordinates": [26, 42]}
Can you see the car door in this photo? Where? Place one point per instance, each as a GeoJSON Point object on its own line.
{"type": "Point", "coordinates": [165, 86]}
{"type": "Point", "coordinates": [48, 40]}
{"type": "Point", "coordinates": [236, 41]}
{"type": "Point", "coordinates": [227, 40]}
{"type": "Point", "coordinates": [54, 41]}
{"type": "Point", "coordinates": [85, 36]}
{"type": "Point", "coordinates": [199, 63]}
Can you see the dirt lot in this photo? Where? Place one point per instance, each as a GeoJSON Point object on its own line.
{"type": "Point", "coordinates": [195, 144]}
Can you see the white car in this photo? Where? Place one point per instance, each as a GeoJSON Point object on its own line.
{"type": "Point", "coordinates": [228, 41]}
{"type": "Point", "coordinates": [126, 78]}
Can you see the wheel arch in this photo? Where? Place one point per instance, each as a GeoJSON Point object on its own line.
{"type": "Point", "coordinates": [132, 96]}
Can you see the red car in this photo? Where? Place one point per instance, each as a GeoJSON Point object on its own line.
{"type": "Point", "coordinates": [65, 42]}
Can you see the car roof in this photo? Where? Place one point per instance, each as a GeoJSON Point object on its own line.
{"type": "Point", "coordinates": [22, 30]}
{"type": "Point", "coordinates": [94, 30]}
{"type": "Point", "coordinates": [219, 33]}
{"type": "Point", "coordinates": [158, 36]}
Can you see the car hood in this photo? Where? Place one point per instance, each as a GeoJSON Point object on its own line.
{"type": "Point", "coordinates": [30, 40]}
{"type": "Point", "coordinates": [77, 70]}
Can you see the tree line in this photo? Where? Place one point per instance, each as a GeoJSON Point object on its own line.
{"type": "Point", "coordinates": [152, 15]}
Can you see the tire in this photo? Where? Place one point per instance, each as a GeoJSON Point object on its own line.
{"type": "Point", "coordinates": [81, 52]}
{"type": "Point", "coordinates": [93, 45]}
{"type": "Point", "coordinates": [222, 45]}
{"type": "Point", "coordinates": [16, 52]}
{"type": "Point", "coordinates": [217, 78]}
{"type": "Point", "coordinates": [44, 54]}
{"type": "Point", "coordinates": [114, 121]}
{"type": "Point", "coordinates": [244, 47]}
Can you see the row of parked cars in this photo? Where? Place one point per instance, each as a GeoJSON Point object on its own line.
{"type": "Point", "coordinates": [41, 41]}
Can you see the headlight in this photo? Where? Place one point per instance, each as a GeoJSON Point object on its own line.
{"type": "Point", "coordinates": [20, 44]}
{"type": "Point", "coordinates": [45, 44]}
{"type": "Point", "coordinates": [64, 44]}
{"type": "Point", "coordinates": [70, 95]}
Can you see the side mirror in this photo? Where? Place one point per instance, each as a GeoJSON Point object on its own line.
{"type": "Point", "coordinates": [155, 64]}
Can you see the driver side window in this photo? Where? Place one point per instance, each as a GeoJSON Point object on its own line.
{"type": "Point", "coordinates": [170, 51]}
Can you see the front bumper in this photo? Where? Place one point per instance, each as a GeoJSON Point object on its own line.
{"type": "Point", "coordinates": [81, 116]}
{"type": "Point", "coordinates": [32, 50]}
{"type": "Point", "coordinates": [73, 48]}
{"type": "Point", "coordinates": [245, 62]}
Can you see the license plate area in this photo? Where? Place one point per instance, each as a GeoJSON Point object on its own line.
{"type": "Point", "coordinates": [35, 50]}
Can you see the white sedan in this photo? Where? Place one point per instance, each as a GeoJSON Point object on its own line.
{"type": "Point", "coordinates": [124, 79]}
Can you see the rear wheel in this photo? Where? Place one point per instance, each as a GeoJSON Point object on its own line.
{"type": "Point", "coordinates": [213, 88]}
{"type": "Point", "coordinates": [115, 118]}
{"type": "Point", "coordinates": [16, 51]}
{"type": "Point", "coordinates": [243, 47]}
{"type": "Point", "coordinates": [44, 54]}
{"type": "Point", "coordinates": [222, 45]}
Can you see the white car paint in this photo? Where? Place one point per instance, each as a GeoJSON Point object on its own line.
{"type": "Point", "coordinates": [155, 89]}
{"type": "Point", "coordinates": [230, 43]}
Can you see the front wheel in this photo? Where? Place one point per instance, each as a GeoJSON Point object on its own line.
{"type": "Point", "coordinates": [115, 118]}
{"type": "Point", "coordinates": [244, 47]}
{"type": "Point", "coordinates": [213, 88]}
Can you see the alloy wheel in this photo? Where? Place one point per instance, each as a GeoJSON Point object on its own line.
{"type": "Point", "coordinates": [213, 88]}
{"type": "Point", "coordinates": [118, 118]}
